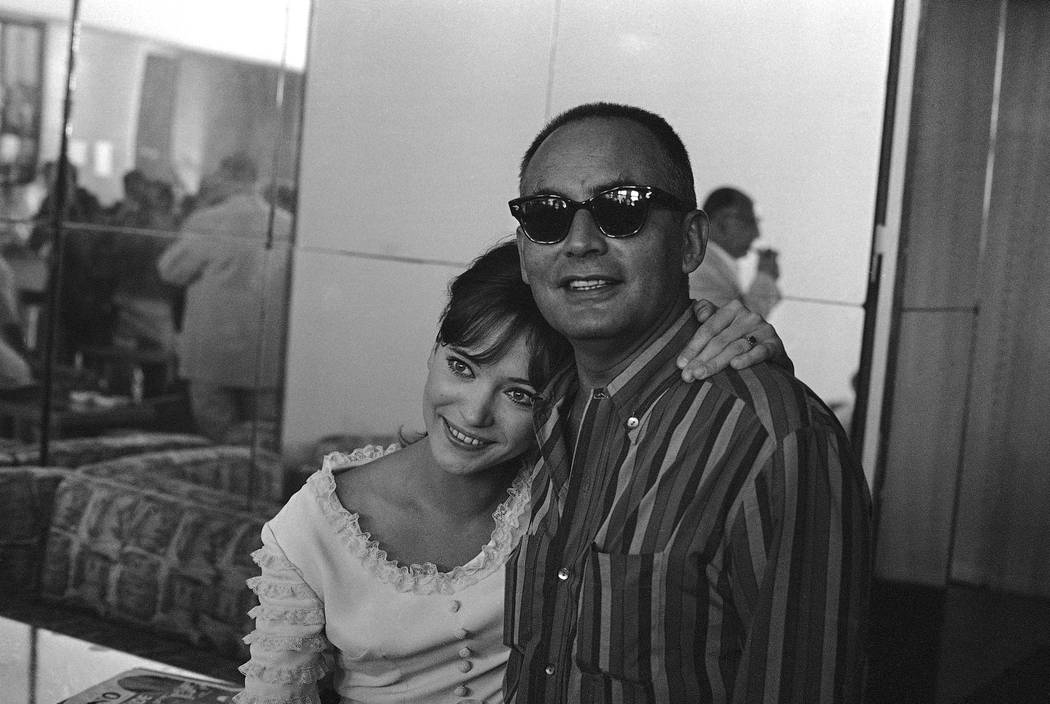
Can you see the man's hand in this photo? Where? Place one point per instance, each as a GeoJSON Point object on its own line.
{"type": "Point", "coordinates": [767, 263]}
{"type": "Point", "coordinates": [722, 340]}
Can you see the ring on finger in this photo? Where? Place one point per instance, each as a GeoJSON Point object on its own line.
{"type": "Point", "coordinates": [751, 341]}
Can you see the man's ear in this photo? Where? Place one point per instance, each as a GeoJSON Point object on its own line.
{"type": "Point", "coordinates": [521, 255]}
{"type": "Point", "coordinates": [694, 239]}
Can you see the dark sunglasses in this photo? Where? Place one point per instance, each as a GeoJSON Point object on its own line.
{"type": "Point", "coordinates": [619, 212]}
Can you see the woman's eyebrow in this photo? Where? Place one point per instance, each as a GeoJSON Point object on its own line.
{"type": "Point", "coordinates": [473, 358]}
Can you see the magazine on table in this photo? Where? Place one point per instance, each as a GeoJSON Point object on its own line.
{"type": "Point", "coordinates": [144, 686]}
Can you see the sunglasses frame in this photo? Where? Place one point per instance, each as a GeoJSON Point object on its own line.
{"type": "Point", "coordinates": [652, 196]}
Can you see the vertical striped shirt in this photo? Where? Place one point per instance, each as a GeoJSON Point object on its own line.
{"type": "Point", "coordinates": [704, 542]}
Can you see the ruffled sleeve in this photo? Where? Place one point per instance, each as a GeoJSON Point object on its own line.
{"type": "Point", "coordinates": [289, 651]}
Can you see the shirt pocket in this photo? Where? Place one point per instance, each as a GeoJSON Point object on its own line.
{"type": "Point", "coordinates": [621, 615]}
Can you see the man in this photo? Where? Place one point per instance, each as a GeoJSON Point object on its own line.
{"type": "Point", "coordinates": [704, 542]}
{"type": "Point", "coordinates": [235, 292]}
{"type": "Point", "coordinates": [734, 228]}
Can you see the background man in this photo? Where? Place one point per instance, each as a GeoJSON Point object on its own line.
{"type": "Point", "coordinates": [734, 228]}
{"type": "Point", "coordinates": [705, 542]}
{"type": "Point", "coordinates": [235, 292]}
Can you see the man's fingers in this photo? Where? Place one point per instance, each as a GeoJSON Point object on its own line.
{"type": "Point", "coordinates": [706, 313]}
{"type": "Point", "coordinates": [704, 309]}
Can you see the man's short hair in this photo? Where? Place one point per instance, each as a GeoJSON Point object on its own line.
{"type": "Point", "coordinates": [679, 170]}
{"type": "Point", "coordinates": [725, 198]}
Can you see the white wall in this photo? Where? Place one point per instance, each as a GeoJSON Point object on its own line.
{"type": "Point", "coordinates": [417, 113]}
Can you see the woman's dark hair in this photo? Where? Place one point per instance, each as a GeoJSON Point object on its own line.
{"type": "Point", "coordinates": [490, 305]}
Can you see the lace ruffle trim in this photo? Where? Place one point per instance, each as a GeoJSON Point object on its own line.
{"type": "Point", "coordinates": [271, 589]}
{"type": "Point", "coordinates": [274, 643]}
{"type": "Point", "coordinates": [271, 559]}
{"type": "Point", "coordinates": [298, 617]}
{"type": "Point", "coordinates": [250, 698]}
{"type": "Point", "coordinates": [425, 578]}
{"type": "Point", "coordinates": [307, 674]}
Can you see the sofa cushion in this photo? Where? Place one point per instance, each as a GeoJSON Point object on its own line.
{"type": "Point", "coordinates": [73, 452]}
{"type": "Point", "coordinates": [155, 551]}
{"type": "Point", "coordinates": [228, 468]}
{"type": "Point", "coordinates": [26, 500]}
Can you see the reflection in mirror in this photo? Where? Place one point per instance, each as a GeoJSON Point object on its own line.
{"type": "Point", "coordinates": [173, 244]}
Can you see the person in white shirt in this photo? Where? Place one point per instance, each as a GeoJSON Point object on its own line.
{"type": "Point", "coordinates": [734, 228]}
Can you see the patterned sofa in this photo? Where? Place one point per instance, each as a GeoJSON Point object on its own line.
{"type": "Point", "coordinates": [144, 538]}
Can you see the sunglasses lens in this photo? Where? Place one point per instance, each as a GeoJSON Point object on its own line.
{"type": "Point", "coordinates": [546, 219]}
{"type": "Point", "coordinates": [621, 212]}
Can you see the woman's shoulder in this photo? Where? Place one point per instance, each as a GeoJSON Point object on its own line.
{"type": "Point", "coordinates": [366, 476]}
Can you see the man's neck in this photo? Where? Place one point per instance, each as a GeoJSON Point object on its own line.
{"type": "Point", "coordinates": [598, 362]}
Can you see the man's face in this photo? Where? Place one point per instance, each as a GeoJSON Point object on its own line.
{"type": "Point", "coordinates": [739, 228]}
{"type": "Point", "coordinates": [591, 287]}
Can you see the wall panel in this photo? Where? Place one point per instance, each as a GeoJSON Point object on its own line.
{"type": "Point", "coordinates": [949, 153]}
{"type": "Point", "coordinates": [917, 489]}
{"type": "Point", "coordinates": [939, 255]}
{"type": "Point", "coordinates": [417, 116]}
{"type": "Point", "coordinates": [1003, 534]}
{"type": "Point", "coordinates": [362, 330]}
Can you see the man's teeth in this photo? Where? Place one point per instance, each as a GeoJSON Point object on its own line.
{"type": "Point", "coordinates": [587, 284]}
{"type": "Point", "coordinates": [463, 437]}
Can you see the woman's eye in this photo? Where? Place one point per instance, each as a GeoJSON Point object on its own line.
{"type": "Point", "coordinates": [521, 397]}
{"type": "Point", "coordinates": [459, 367]}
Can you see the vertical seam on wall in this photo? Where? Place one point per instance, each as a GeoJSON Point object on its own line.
{"type": "Point", "coordinates": [993, 130]}
{"type": "Point", "coordinates": [548, 106]}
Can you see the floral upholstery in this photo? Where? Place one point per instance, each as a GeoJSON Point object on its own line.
{"type": "Point", "coordinates": [149, 549]}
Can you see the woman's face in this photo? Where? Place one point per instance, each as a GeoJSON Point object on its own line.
{"type": "Point", "coordinates": [478, 415]}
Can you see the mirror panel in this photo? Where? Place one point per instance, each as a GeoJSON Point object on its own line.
{"type": "Point", "coordinates": [171, 254]}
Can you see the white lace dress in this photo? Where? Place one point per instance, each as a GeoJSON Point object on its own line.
{"type": "Point", "coordinates": [329, 599]}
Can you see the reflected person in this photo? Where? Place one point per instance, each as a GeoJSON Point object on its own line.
{"type": "Point", "coordinates": [235, 290]}
{"type": "Point", "coordinates": [733, 230]}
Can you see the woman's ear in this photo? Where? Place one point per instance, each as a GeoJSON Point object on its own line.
{"type": "Point", "coordinates": [695, 228]}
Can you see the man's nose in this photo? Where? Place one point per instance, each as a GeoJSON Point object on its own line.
{"type": "Point", "coordinates": [584, 236]}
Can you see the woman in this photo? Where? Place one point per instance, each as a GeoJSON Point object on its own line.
{"type": "Point", "coordinates": [386, 568]}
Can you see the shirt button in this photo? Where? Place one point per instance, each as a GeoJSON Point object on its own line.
{"type": "Point", "coordinates": [465, 652]}
{"type": "Point", "coordinates": [461, 691]}
{"type": "Point", "coordinates": [549, 669]}
{"type": "Point", "coordinates": [632, 422]}
{"type": "Point", "coordinates": [462, 633]}
{"type": "Point", "coordinates": [453, 606]}
{"type": "Point", "coordinates": [465, 665]}
{"type": "Point", "coordinates": [563, 574]}
{"type": "Point", "coordinates": [599, 394]}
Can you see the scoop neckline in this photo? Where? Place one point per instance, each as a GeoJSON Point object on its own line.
{"type": "Point", "coordinates": [420, 577]}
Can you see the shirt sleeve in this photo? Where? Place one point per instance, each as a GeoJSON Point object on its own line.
{"type": "Point", "coordinates": [800, 561]}
{"type": "Point", "coordinates": [289, 650]}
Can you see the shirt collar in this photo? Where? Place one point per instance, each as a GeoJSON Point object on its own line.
{"type": "Point", "coordinates": [633, 389]}
{"type": "Point", "coordinates": [716, 249]}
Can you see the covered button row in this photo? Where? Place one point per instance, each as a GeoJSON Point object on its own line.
{"type": "Point", "coordinates": [465, 665]}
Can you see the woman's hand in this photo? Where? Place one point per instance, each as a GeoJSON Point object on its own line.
{"type": "Point", "coordinates": [725, 338]}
